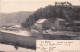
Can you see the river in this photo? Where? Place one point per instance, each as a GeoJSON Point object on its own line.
{"type": "Point", "coordinates": [10, 48]}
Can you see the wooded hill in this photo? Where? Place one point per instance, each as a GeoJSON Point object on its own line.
{"type": "Point", "coordinates": [51, 12]}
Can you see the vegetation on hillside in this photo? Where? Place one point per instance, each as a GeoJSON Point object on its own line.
{"type": "Point", "coordinates": [51, 12]}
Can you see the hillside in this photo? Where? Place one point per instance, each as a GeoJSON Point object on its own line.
{"type": "Point", "coordinates": [14, 18]}
{"type": "Point", "coordinates": [51, 12]}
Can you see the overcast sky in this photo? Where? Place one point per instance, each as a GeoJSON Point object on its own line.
{"type": "Point", "coordinates": [8, 6]}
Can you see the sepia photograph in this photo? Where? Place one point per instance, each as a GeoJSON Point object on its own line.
{"type": "Point", "coordinates": [22, 22]}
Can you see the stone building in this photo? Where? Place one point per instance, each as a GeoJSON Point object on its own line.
{"type": "Point", "coordinates": [42, 24]}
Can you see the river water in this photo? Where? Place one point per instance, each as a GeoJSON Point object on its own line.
{"type": "Point", "coordinates": [10, 48]}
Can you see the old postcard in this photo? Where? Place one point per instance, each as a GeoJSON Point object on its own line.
{"type": "Point", "coordinates": [58, 46]}
{"type": "Point", "coordinates": [39, 25]}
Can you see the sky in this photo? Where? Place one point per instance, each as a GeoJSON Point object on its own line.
{"type": "Point", "coordinates": [9, 6]}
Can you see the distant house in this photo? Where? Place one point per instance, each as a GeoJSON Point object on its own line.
{"type": "Point", "coordinates": [76, 24]}
{"type": "Point", "coordinates": [59, 23]}
{"type": "Point", "coordinates": [14, 27]}
{"type": "Point", "coordinates": [42, 24]}
{"type": "Point", "coordinates": [5, 27]}
{"type": "Point", "coordinates": [47, 24]}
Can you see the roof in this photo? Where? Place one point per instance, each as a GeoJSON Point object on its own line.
{"type": "Point", "coordinates": [41, 20]}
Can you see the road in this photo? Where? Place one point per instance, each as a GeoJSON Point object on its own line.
{"type": "Point", "coordinates": [22, 33]}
